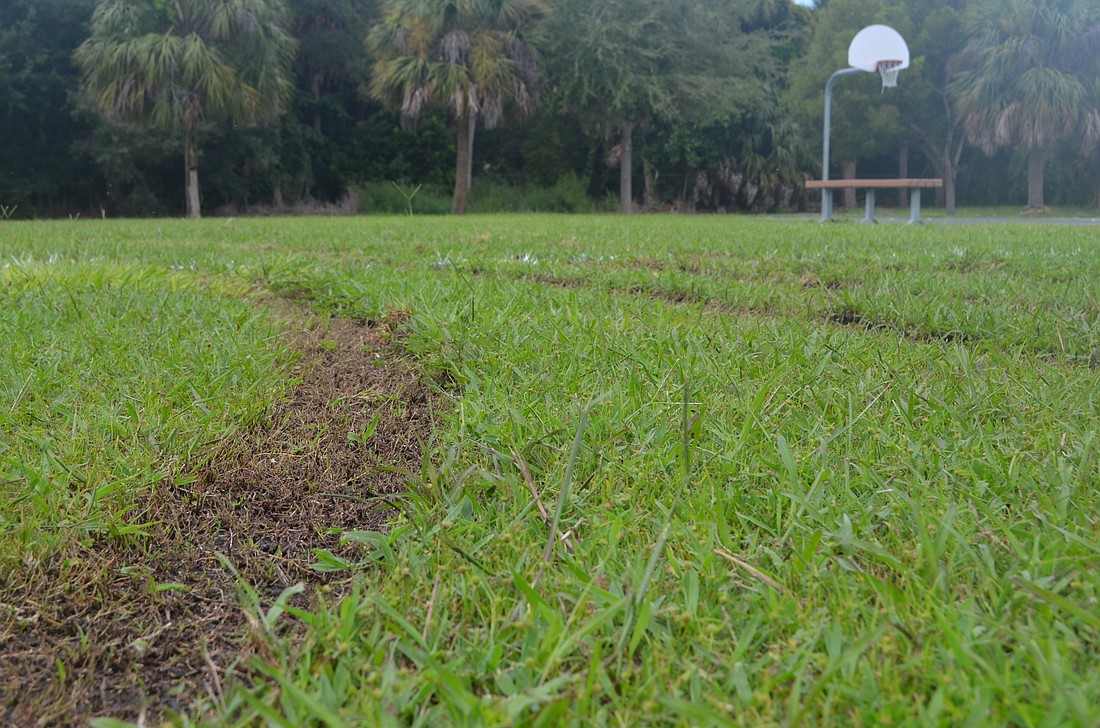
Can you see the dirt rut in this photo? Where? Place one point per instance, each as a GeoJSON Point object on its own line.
{"type": "Point", "coordinates": [132, 627]}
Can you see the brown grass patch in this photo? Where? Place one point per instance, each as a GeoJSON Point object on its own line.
{"type": "Point", "coordinates": [131, 627]}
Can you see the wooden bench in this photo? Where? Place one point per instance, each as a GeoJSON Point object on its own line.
{"type": "Point", "coordinates": [869, 186]}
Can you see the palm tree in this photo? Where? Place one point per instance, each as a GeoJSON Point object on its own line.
{"type": "Point", "coordinates": [175, 64]}
{"type": "Point", "coordinates": [1030, 79]}
{"type": "Point", "coordinates": [471, 57]}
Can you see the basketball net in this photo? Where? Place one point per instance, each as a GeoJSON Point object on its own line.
{"type": "Point", "coordinates": [889, 71]}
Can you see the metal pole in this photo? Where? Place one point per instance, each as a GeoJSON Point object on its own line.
{"type": "Point", "coordinates": [827, 194]}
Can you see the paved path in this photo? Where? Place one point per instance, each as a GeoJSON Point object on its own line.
{"type": "Point", "coordinates": [1075, 221]}
{"type": "Point", "coordinates": [891, 220]}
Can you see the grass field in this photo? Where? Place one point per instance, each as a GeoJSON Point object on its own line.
{"type": "Point", "coordinates": [684, 470]}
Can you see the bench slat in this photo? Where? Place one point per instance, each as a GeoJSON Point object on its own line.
{"type": "Point", "coordinates": [840, 184]}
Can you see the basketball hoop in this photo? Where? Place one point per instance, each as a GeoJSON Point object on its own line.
{"type": "Point", "coordinates": [875, 48]}
{"type": "Point", "coordinates": [888, 70]}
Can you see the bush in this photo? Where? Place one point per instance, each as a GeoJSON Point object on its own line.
{"type": "Point", "coordinates": [568, 194]}
{"type": "Point", "coordinates": [392, 198]}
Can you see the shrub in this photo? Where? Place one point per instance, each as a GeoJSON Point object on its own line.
{"type": "Point", "coordinates": [399, 198]}
{"type": "Point", "coordinates": [569, 194]}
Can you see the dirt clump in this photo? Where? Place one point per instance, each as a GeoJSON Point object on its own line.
{"type": "Point", "coordinates": [134, 627]}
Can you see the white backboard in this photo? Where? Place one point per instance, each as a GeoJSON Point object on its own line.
{"type": "Point", "coordinates": [877, 43]}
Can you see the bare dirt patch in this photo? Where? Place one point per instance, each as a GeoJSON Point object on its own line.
{"type": "Point", "coordinates": [850, 317]}
{"type": "Point", "coordinates": [132, 627]}
{"type": "Point", "coordinates": [672, 297]}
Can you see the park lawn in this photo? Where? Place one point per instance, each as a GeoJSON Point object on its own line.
{"type": "Point", "coordinates": [792, 473]}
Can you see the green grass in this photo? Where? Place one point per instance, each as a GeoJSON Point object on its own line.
{"type": "Point", "coordinates": [794, 474]}
{"type": "Point", "coordinates": [113, 374]}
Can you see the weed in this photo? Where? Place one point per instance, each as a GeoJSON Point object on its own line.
{"type": "Point", "coordinates": [408, 196]}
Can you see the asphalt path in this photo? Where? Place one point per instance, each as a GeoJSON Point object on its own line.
{"type": "Point", "coordinates": [899, 220]}
{"type": "Point", "coordinates": [1075, 221]}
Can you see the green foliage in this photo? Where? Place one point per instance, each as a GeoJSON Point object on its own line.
{"type": "Point", "coordinates": [175, 65]}
{"type": "Point", "coordinates": [866, 121]}
{"type": "Point", "coordinates": [1030, 75]}
{"type": "Point", "coordinates": [623, 64]}
{"type": "Point", "coordinates": [172, 65]}
{"type": "Point", "coordinates": [753, 161]}
{"type": "Point", "coordinates": [37, 79]}
{"type": "Point", "coordinates": [569, 194]}
{"type": "Point", "coordinates": [938, 34]}
{"type": "Point", "coordinates": [552, 146]}
{"type": "Point", "coordinates": [330, 39]}
{"type": "Point", "coordinates": [330, 66]}
{"type": "Point", "coordinates": [473, 60]}
{"type": "Point", "coordinates": [1028, 79]}
{"type": "Point", "coordinates": [720, 129]}
{"type": "Point", "coordinates": [136, 171]}
{"type": "Point", "coordinates": [379, 149]}
{"type": "Point", "coordinates": [395, 198]}
{"type": "Point", "coordinates": [643, 59]}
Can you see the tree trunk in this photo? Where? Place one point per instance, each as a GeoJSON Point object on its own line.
{"type": "Point", "coordinates": [651, 200]}
{"type": "Point", "coordinates": [191, 171]}
{"type": "Point", "coordinates": [944, 154]}
{"type": "Point", "coordinates": [315, 89]}
{"type": "Point", "coordinates": [626, 168]}
{"type": "Point", "coordinates": [848, 171]}
{"type": "Point", "coordinates": [464, 169]}
{"type": "Point", "coordinates": [1035, 159]}
{"type": "Point", "coordinates": [949, 172]}
{"type": "Point", "coordinates": [903, 172]}
{"type": "Point", "coordinates": [310, 182]}
{"type": "Point", "coordinates": [949, 193]}
{"type": "Point", "coordinates": [946, 164]}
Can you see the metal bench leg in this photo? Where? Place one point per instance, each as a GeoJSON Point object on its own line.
{"type": "Point", "coordinates": [914, 206]}
{"type": "Point", "coordinates": [869, 215]}
{"type": "Point", "coordinates": [826, 205]}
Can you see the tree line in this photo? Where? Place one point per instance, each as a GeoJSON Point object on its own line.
{"type": "Point", "coordinates": [162, 107]}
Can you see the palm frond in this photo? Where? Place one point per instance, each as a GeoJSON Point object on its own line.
{"type": "Point", "coordinates": [471, 50]}
{"type": "Point", "coordinates": [1027, 77]}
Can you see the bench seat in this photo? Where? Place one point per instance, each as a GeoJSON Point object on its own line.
{"type": "Point", "coordinates": [915, 185]}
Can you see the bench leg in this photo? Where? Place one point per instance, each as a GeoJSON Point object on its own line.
{"type": "Point", "coordinates": [914, 206]}
{"type": "Point", "coordinates": [869, 214]}
{"type": "Point", "coordinates": [826, 205]}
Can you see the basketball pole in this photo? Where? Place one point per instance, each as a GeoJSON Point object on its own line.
{"type": "Point", "coordinates": [827, 194]}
